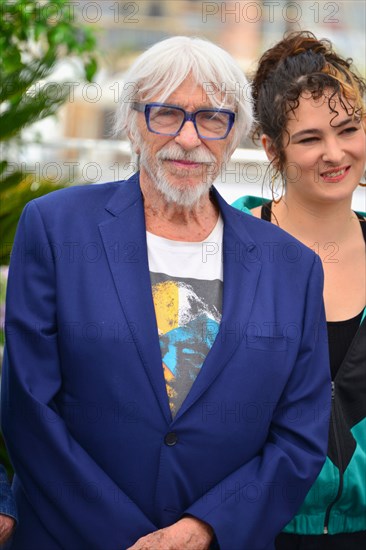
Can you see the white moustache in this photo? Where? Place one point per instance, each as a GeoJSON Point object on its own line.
{"type": "Point", "coordinates": [174, 152]}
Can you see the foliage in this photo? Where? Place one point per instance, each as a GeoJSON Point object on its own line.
{"type": "Point", "coordinates": [4, 459]}
{"type": "Point", "coordinates": [13, 199]}
{"type": "Point", "coordinates": [33, 37]}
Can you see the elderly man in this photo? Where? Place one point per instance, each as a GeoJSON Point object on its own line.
{"type": "Point", "coordinates": [166, 376]}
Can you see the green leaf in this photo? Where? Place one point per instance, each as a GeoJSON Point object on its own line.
{"type": "Point", "coordinates": [34, 35]}
{"type": "Point", "coordinates": [90, 69]}
{"type": "Point", "coordinates": [7, 182]}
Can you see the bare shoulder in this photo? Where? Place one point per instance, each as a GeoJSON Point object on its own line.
{"type": "Point", "coordinates": [257, 211]}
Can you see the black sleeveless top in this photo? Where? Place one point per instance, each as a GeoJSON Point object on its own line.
{"type": "Point", "coordinates": [340, 333]}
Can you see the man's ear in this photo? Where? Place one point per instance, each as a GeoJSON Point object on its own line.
{"type": "Point", "coordinates": [135, 147]}
{"type": "Point", "coordinates": [268, 146]}
{"type": "Point", "coordinates": [230, 150]}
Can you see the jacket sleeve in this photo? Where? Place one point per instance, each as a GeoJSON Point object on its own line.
{"type": "Point", "coordinates": [7, 503]}
{"type": "Point", "coordinates": [251, 506]}
{"type": "Point", "coordinates": [71, 494]}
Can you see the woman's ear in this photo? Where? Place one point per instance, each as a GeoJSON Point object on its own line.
{"type": "Point", "coordinates": [268, 146]}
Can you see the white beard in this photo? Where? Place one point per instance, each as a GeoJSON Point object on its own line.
{"type": "Point", "coordinates": [182, 196]}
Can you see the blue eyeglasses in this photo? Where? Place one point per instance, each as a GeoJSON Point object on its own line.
{"type": "Point", "coordinates": [168, 120]}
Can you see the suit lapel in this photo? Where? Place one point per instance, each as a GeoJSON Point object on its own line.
{"type": "Point", "coordinates": [124, 240]}
{"type": "Point", "coordinates": [241, 273]}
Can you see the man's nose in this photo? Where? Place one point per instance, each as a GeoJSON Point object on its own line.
{"type": "Point", "coordinates": [188, 138]}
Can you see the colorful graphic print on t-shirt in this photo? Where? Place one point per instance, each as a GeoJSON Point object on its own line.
{"type": "Point", "coordinates": [188, 313]}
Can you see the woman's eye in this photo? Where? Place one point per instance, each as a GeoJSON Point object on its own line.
{"type": "Point", "coordinates": [350, 130]}
{"type": "Point", "coordinates": [309, 140]}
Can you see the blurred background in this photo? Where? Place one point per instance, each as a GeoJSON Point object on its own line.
{"type": "Point", "coordinates": [75, 146]}
{"type": "Point", "coordinates": [62, 70]}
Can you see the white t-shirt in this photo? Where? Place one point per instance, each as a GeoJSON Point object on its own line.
{"type": "Point", "coordinates": [186, 279]}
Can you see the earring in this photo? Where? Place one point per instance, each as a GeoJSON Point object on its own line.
{"type": "Point", "coordinates": [364, 178]}
{"type": "Point", "coordinates": [273, 188]}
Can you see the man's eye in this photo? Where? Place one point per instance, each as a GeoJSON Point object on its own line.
{"type": "Point", "coordinates": [165, 112]}
{"type": "Point", "coordinates": [214, 116]}
{"type": "Point", "coordinates": [212, 120]}
{"type": "Point", "coordinates": [209, 115]}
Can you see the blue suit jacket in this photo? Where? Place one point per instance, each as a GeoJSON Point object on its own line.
{"type": "Point", "coordinates": [84, 404]}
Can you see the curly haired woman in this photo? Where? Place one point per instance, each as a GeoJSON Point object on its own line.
{"type": "Point", "coordinates": [310, 117]}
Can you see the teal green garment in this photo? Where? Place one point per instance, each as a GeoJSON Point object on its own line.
{"type": "Point", "coordinates": [248, 202]}
{"type": "Point", "coordinates": [348, 514]}
{"type": "Point", "coordinates": [245, 204]}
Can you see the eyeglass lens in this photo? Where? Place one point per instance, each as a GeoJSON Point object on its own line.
{"type": "Point", "coordinates": [168, 120]}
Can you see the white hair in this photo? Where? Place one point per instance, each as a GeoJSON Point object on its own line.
{"type": "Point", "coordinates": [161, 69]}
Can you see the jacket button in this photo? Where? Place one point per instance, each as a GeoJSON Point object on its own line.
{"type": "Point", "coordinates": [171, 439]}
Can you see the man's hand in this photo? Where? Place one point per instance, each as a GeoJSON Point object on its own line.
{"type": "Point", "coordinates": [7, 524]}
{"type": "Point", "coordinates": [187, 534]}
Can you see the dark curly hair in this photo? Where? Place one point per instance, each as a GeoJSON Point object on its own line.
{"type": "Point", "coordinates": [301, 63]}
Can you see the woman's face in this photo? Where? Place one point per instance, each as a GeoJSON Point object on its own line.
{"type": "Point", "coordinates": [326, 152]}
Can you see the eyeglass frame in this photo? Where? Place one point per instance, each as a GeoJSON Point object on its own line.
{"type": "Point", "coordinates": [188, 116]}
